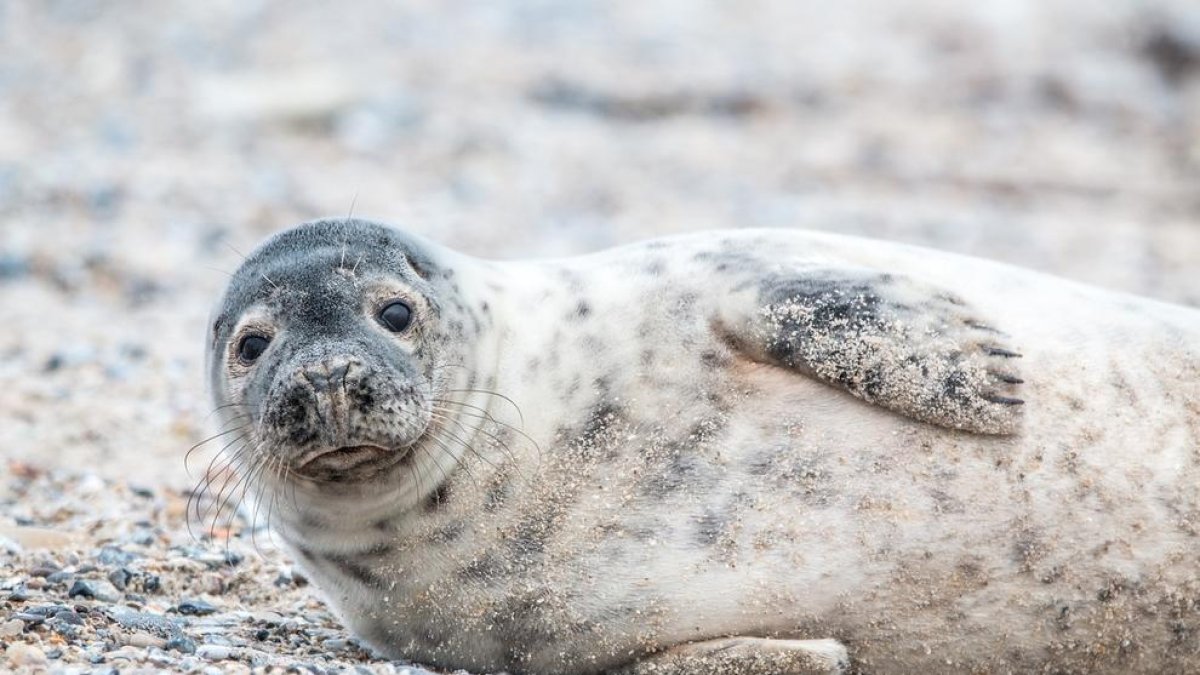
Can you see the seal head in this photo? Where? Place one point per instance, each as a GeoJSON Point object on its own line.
{"type": "Point", "coordinates": [326, 342]}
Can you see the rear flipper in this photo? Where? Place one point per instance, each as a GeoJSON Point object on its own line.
{"type": "Point", "coordinates": [894, 342]}
{"type": "Point", "coordinates": [744, 656]}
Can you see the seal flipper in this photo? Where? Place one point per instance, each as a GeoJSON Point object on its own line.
{"type": "Point", "coordinates": [888, 340]}
{"type": "Point", "coordinates": [744, 656]}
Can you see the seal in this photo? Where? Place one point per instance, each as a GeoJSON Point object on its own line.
{"type": "Point", "coordinates": [757, 451]}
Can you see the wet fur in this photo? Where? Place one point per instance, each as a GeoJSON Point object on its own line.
{"type": "Point", "coordinates": [627, 461]}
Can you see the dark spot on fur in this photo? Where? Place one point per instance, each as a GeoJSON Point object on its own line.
{"type": "Point", "coordinates": [1174, 55]}
{"type": "Point", "coordinates": [496, 494]}
{"type": "Point", "coordinates": [356, 568]}
{"type": "Point", "coordinates": [439, 497]}
{"type": "Point", "coordinates": [448, 534]}
{"type": "Point", "coordinates": [709, 528]}
{"type": "Point", "coordinates": [714, 360]}
{"type": "Point", "coordinates": [1028, 548]}
{"type": "Point", "coordinates": [310, 521]}
{"type": "Point", "coordinates": [582, 310]}
{"type": "Point", "coordinates": [529, 537]}
{"type": "Point", "coordinates": [487, 566]}
{"type": "Point", "coordinates": [527, 619]}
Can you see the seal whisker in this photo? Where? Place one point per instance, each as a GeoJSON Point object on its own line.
{"type": "Point", "coordinates": [252, 477]}
{"type": "Point", "coordinates": [270, 468]}
{"type": "Point", "coordinates": [486, 416]}
{"type": "Point", "coordinates": [497, 394]}
{"type": "Point", "coordinates": [470, 448]}
{"type": "Point", "coordinates": [442, 443]}
{"type": "Point", "coordinates": [448, 415]}
{"type": "Point", "coordinates": [206, 482]}
{"type": "Point", "coordinates": [243, 478]}
{"type": "Point", "coordinates": [188, 455]}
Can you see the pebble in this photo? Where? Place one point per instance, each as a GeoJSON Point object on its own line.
{"type": "Point", "coordinates": [29, 618]}
{"type": "Point", "coordinates": [69, 617]}
{"type": "Point", "coordinates": [59, 577]}
{"type": "Point", "coordinates": [214, 652]}
{"type": "Point", "coordinates": [116, 557]}
{"type": "Point", "coordinates": [44, 570]}
{"type": "Point", "coordinates": [141, 621]}
{"type": "Point", "coordinates": [126, 653]}
{"type": "Point", "coordinates": [94, 589]}
{"type": "Point", "coordinates": [195, 607]}
{"type": "Point", "coordinates": [11, 628]}
{"type": "Point", "coordinates": [120, 578]}
{"type": "Point", "coordinates": [183, 645]}
{"type": "Point", "coordinates": [141, 639]}
{"type": "Point", "coordinates": [21, 654]}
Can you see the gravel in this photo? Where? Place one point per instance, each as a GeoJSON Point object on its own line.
{"type": "Point", "coordinates": [214, 601]}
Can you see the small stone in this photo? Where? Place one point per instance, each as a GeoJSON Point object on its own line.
{"type": "Point", "coordinates": [44, 569]}
{"type": "Point", "coordinates": [137, 352]}
{"type": "Point", "coordinates": [268, 617]}
{"type": "Point", "coordinates": [29, 618]}
{"type": "Point", "coordinates": [183, 645]}
{"type": "Point", "coordinates": [46, 610]}
{"type": "Point", "coordinates": [214, 652]}
{"type": "Point", "coordinates": [120, 578]}
{"type": "Point", "coordinates": [152, 583]}
{"type": "Point", "coordinates": [336, 644]}
{"type": "Point", "coordinates": [67, 616]}
{"type": "Point", "coordinates": [144, 640]}
{"type": "Point", "coordinates": [60, 577]}
{"type": "Point", "coordinates": [195, 608]}
{"type": "Point", "coordinates": [116, 557]}
{"type": "Point", "coordinates": [19, 594]}
{"type": "Point", "coordinates": [94, 589]}
{"type": "Point", "coordinates": [11, 628]}
{"type": "Point", "coordinates": [21, 654]}
{"type": "Point", "coordinates": [262, 634]}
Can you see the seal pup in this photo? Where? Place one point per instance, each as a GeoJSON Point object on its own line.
{"type": "Point", "coordinates": [756, 451]}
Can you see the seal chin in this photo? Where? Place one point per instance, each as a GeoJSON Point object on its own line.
{"type": "Point", "coordinates": [348, 461]}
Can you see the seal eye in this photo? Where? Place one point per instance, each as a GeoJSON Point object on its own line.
{"type": "Point", "coordinates": [252, 347]}
{"type": "Point", "coordinates": [396, 316]}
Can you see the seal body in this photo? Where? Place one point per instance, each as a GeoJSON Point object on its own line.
{"type": "Point", "coordinates": [809, 441]}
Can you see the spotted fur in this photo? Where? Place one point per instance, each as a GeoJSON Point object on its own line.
{"type": "Point", "coordinates": [818, 445]}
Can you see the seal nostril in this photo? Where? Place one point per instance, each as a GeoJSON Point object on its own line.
{"type": "Point", "coordinates": [338, 373]}
{"type": "Point", "coordinates": [325, 378]}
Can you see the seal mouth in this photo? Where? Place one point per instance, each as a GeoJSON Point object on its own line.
{"type": "Point", "coordinates": [346, 459]}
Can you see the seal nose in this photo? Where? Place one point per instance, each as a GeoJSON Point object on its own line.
{"type": "Point", "coordinates": [327, 381]}
{"type": "Point", "coordinates": [328, 377]}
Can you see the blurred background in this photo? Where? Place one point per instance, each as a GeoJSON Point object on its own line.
{"type": "Point", "coordinates": [144, 144]}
